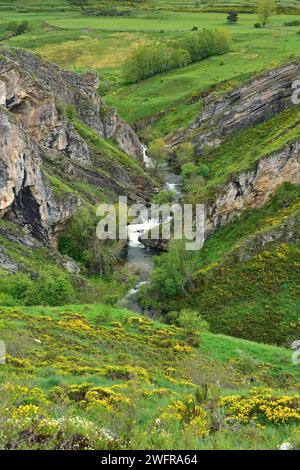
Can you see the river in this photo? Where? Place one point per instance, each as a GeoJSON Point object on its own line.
{"type": "Point", "coordinates": [139, 258]}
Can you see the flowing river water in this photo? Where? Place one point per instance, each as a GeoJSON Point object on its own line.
{"type": "Point", "coordinates": [139, 258]}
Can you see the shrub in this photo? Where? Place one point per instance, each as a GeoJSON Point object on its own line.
{"type": "Point", "coordinates": [172, 271]}
{"type": "Point", "coordinates": [184, 153]}
{"type": "Point", "coordinates": [261, 407]}
{"type": "Point", "coordinates": [292, 23]}
{"type": "Point", "coordinates": [17, 28]}
{"type": "Point", "coordinates": [80, 243]}
{"type": "Point", "coordinates": [164, 197]}
{"type": "Point", "coordinates": [188, 170]}
{"type": "Point", "coordinates": [16, 287]}
{"type": "Point", "coordinates": [203, 170]}
{"type": "Point", "coordinates": [206, 43]}
{"type": "Point", "coordinates": [147, 61]}
{"type": "Point", "coordinates": [150, 60]}
{"type": "Point", "coordinates": [51, 290]}
{"type": "Point", "coordinates": [257, 25]}
{"type": "Point", "coordinates": [232, 17]}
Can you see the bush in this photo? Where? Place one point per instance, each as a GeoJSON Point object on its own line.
{"type": "Point", "coordinates": [171, 275]}
{"type": "Point", "coordinates": [17, 28]}
{"type": "Point", "coordinates": [188, 170]}
{"type": "Point", "coordinates": [164, 197]}
{"type": "Point", "coordinates": [147, 61]}
{"type": "Point", "coordinates": [184, 153]}
{"type": "Point", "coordinates": [206, 43]}
{"type": "Point", "coordinates": [203, 170]}
{"type": "Point", "coordinates": [16, 287]}
{"type": "Point", "coordinates": [257, 25]}
{"type": "Point", "coordinates": [80, 243]}
{"type": "Point", "coordinates": [49, 289]}
{"type": "Point", "coordinates": [192, 322]}
{"type": "Point", "coordinates": [292, 23]}
{"type": "Point", "coordinates": [150, 60]}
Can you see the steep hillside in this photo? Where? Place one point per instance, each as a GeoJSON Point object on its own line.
{"type": "Point", "coordinates": [96, 377]}
{"type": "Point", "coordinates": [62, 153]}
{"type": "Point", "coordinates": [39, 143]}
{"type": "Point", "coordinates": [245, 170]}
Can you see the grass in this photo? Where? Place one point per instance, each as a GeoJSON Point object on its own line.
{"type": "Point", "coordinates": [138, 359]}
{"type": "Point", "coordinates": [145, 365]}
{"type": "Point", "coordinates": [103, 43]}
{"type": "Point", "coordinates": [284, 204]}
{"type": "Point", "coordinates": [244, 149]}
{"type": "Point", "coordinates": [244, 281]}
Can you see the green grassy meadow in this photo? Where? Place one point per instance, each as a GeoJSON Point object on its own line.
{"type": "Point", "coordinates": [79, 366]}
{"type": "Point", "coordinates": [79, 42]}
{"type": "Point", "coordinates": [89, 374]}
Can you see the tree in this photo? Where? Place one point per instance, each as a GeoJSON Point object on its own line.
{"type": "Point", "coordinates": [184, 153]}
{"type": "Point", "coordinates": [265, 10]}
{"type": "Point", "coordinates": [232, 17]}
{"type": "Point", "coordinates": [158, 153]}
{"type": "Point", "coordinates": [192, 322]}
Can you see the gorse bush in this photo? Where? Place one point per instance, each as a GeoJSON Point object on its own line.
{"type": "Point", "coordinates": [150, 60]}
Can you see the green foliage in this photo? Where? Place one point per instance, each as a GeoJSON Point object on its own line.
{"type": "Point", "coordinates": [265, 10]}
{"type": "Point", "coordinates": [150, 60]}
{"type": "Point", "coordinates": [240, 287]}
{"type": "Point", "coordinates": [188, 170]}
{"type": "Point", "coordinates": [47, 289]}
{"type": "Point", "coordinates": [184, 153]}
{"type": "Point", "coordinates": [171, 274]}
{"type": "Point", "coordinates": [292, 23]}
{"type": "Point", "coordinates": [157, 150]}
{"type": "Point", "coordinates": [52, 290]}
{"type": "Point", "coordinates": [17, 28]}
{"type": "Point", "coordinates": [80, 243]}
{"type": "Point", "coordinates": [67, 383]}
{"type": "Point", "coordinates": [164, 197]}
{"type": "Point", "coordinates": [206, 43]}
{"type": "Point", "coordinates": [191, 321]}
{"type": "Point", "coordinates": [203, 170]}
{"type": "Point", "coordinates": [232, 17]}
{"type": "Point", "coordinates": [147, 61]}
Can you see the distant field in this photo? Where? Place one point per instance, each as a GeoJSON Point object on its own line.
{"type": "Point", "coordinates": [80, 42]}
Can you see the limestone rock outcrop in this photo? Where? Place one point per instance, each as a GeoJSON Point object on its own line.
{"type": "Point", "coordinates": [37, 138]}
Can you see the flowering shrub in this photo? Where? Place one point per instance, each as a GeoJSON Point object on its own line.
{"type": "Point", "coordinates": [17, 362]}
{"type": "Point", "coordinates": [192, 415]}
{"type": "Point", "coordinates": [262, 407]}
{"type": "Point", "coordinates": [88, 395]}
{"type": "Point", "coordinates": [184, 348]}
{"type": "Point", "coordinates": [36, 431]}
{"type": "Point", "coordinates": [21, 395]}
{"type": "Point", "coordinates": [125, 373]}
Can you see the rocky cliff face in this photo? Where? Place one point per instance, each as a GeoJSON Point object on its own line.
{"type": "Point", "coordinates": [252, 189]}
{"type": "Point", "coordinates": [252, 103]}
{"type": "Point", "coordinates": [34, 133]}
{"type": "Point", "coordinates": [33, 88]}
